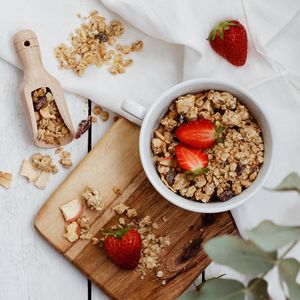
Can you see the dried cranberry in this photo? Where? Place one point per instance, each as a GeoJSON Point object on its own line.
{"type": "Point", "coordinates": [102, 37]}
{"type": "Point", "coordinates": [84, 125]}
{"type": "Point", "coordinates": [226, 195]}
{"type": "Point", "coordinates": [39, 103]}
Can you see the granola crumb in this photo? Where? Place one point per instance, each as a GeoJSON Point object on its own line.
{"type": "Point", "coordinates": [65, 160]}
{"type": "Point", "coordinates": [120, 208]}
{"type": "Point", "coordinates": [154, 225]}
{"type": "Point", "coordinates": [6, 179]}
{"type": "Point", "coordinates": [93, 198]}
{"type": "Point", "coordinates": [84, 224]}
{"type": "Point", "coordinates": [95, 241]}
{"type": "Point", "coordinates": [93, 119]}
{"type": "Point", "coordinates": [131, 213]}
{"type": "Point", "coordinates": [104, 116]}
{"type": "Point", "coordinates": [118, 192]}
{"type": "Point", "coordinates": [44, 163]}
{"type": "Point", "coordinates": [97, 110]}
{"type": "Point", "coordinates": [91, 44]}
{"type": "Point", "coordinates": [122, 221]}
{"type": "Point", "coordinates": [159, 274]}
{"type": "Point", "coordinates": [164, 219]}
{"type": "Point", "coordinates": [163, 282]}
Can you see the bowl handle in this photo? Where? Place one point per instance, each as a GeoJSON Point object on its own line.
{"type": "Point", "coordinates": [134, 109]}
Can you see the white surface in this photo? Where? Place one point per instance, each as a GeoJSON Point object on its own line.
{"type": "Point", "coordinates": [273, 50]}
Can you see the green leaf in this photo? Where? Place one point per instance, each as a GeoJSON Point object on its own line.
{"type": "Point", "coordinates": [269, 236]}
{"type": "Point", "coordinates": [243, 256]}
{"type": "Point", "coordinates": [289, 183]}
{"type": "Point", "coordinates": [258, 289]}
{"type": "Point", "coordinates": [288, 271]}
{"type": "Point", "coordinates": [218, 289]}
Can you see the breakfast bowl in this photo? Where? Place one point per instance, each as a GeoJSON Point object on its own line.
{"type": "Point", "coordinates": [153, 116]}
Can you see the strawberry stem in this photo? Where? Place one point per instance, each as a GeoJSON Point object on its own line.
{"type": "Point", "coordinates": [117, 233]}
{"type": "Point", "coordinates": [219, 29]}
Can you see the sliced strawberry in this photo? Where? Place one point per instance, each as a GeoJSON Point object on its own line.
{"type": "Point", "coordinates": [201, 133]}
{"type": "Point", "coordinates": [192, 160]}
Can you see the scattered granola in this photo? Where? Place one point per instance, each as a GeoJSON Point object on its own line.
{"type": "Point", "coordinates": [84, 224]}
{"type": "Point", "coordinates": [65, 159]}
{"type": "Point", "coordinates": [234, 161]}
{"type": "Point", "coordinates": [95, 241]}
{"type": "Point", "coordinates": [72, 232]}
{"type": "Point", "coordinates": [92, 44]}
{"type": "Point", "coordinates": [44, 163]}
{"type": "Point", "coordinates": [131, 213]}
{"type": "Point", "coordinates": [50, 125]}
{"type": "Point", "coordinates": [92, 198]}
{"type": "Point", "coordinates": [6, 179]}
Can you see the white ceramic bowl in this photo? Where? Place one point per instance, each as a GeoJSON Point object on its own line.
{"type": "Point", "coordinates": [158, 110]}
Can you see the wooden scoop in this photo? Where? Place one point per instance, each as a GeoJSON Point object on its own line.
{"type": "Point", "coordinates": [35, 77]}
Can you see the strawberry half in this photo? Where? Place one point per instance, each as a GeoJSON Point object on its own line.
{"type": "Point", "coordinates": [192, 160]}
{"type": "Point", "coordinates": [201, 133]}
{"type": "Point", "coordinates": [229, 39]}
{"type": "Point", "coordinates": [123, 246]}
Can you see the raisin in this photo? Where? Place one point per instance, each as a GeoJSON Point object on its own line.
{"type": "Point", "coordinates": [239, 169]}
{"type": "Point", "coordinates": [101, 36]}
{"type": "Point", "coordinates": [181, 119]}
{"type": "Point", "coordinates": [84, 125]}
{"type": "Point", "coordinates": [226, 195]}
{"type": "Point", "coordinates": [170, 177]}
{"type": "Point", "coordinates": [39, 103]}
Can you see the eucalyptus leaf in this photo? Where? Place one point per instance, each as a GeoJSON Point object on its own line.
{"type": "Point", "coordinates": [288, 271]}
{"type": "Point", "coordinates": [218, 289]}
{"type": "Point", "coordinates": [243, 256]}
{"type": "Point", "coordinates": [269, 236]}
{"type": "Point", "coordinates": [289, 183]}
{"type": "Point", "coordinates": [258, 289]}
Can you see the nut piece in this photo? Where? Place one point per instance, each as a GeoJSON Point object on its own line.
{"type": "Point", "coordinates": [28, 171]}
{"type": "Point", "coordinates": [72, 232]}
{"type": "Point", "coordinates": [6, 179]}
{"type": "Point", "coordinates": [131, 213]}
{"type": "Point", "coordinates": [92, 198]}
{"type": "Point", "coordinates": [120, 208]}
{"type": "Point", "coordinates": [43, 180]}
{"type": "Point", "coordinates": [84, 224]}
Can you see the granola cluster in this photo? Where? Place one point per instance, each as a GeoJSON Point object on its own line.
{"type": "Point", "coordinates": [234, 163]}
{"type": "Point", "coordinates": [94, 43]}
{"type": "Point", "coordinates": [50, 125]}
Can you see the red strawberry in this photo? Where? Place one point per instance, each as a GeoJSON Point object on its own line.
{"type": "Point", "coordinates": [123, 246]}
{"type": "Point", "coordinates": [229, 39]}
{"type": "Point", "coordinates": [201, 133]}
{"type": "Point", "coordinates": [192, 160]}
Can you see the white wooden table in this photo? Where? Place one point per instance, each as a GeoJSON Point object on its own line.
{"type": "Point", "coordinates": [29, 267]}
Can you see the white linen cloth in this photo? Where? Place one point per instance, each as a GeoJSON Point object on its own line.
{"type": "Point", "coordinates": [174, 33]}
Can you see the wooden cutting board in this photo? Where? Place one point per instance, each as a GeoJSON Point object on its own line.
{"type": "Point", "coordinates": [114, 162]}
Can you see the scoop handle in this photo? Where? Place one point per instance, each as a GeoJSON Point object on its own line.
{"type": "Point", "coordinates": [28, 49]}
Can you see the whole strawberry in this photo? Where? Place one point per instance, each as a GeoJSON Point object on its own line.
{"type": "Point", "coordinates": [229, 39]}
{"type": "Point", "coordinates": [123, 246]}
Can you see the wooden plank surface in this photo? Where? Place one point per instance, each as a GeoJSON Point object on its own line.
{"type": "Point", "coordinates": [115, 162]}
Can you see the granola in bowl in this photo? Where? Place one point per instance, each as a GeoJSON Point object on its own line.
{"type": "Point", "coordinates": [208, 147]}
